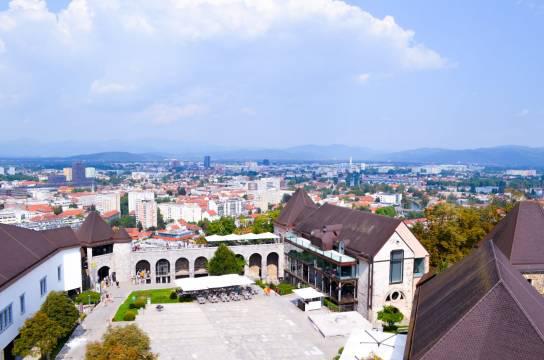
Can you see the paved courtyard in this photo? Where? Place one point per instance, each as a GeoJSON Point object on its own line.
{"type": "Point", "coordinates": [261, 328]}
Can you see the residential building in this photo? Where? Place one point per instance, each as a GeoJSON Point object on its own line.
{"type": "Point", "coordinates": [189, 212]}
{"type": "Point", "coordinates": [32, 264]}
{"type": "Point", "coordinates": [67, 172]}
{"type": "Point", "coordinates": [520, 237]}
{"type": "Point", "coordinates": [2, 171]}
{"type": "Point", "coordinates": [146, 213]}
{"type": "Point", "coordinates": [361, 261]}
{"type": "Point", "coordinates": [90, 172]}
{"type": "Point", "coordinates": [480, 308]}
{"type": "Point", "coordinates": [11, 170]}
{"type": "Point", "coordinates": [390, 199]}
{"type": "Point", "coordinates": [134, 196]}
{"type": "Point", "coordinates": [522, 173]}
{"type": "Point", "coordinates": [230, 207]}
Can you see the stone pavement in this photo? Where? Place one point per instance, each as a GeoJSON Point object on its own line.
{"type": "Point", "coordinates": [262, 328]}
{"type": "Point", "coordinates": [96, 323]}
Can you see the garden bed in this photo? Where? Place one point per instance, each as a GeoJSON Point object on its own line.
{"type": "Point", "coordinates": [157, 296]}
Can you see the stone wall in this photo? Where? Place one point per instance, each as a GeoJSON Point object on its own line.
{"type": "Point", "coordinates": [537, 280]}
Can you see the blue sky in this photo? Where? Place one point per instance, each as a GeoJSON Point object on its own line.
{"type": "Point", "coordinates": [274, 73]}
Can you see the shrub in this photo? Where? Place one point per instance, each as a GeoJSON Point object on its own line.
{"type": "Point", "coordinates": [127, 342]}
{"type": "Point", "coordinates": [185, 298]}
{"type": "Point", "coordinates": [390, 315]}
{"type": "Point", "coordinates": [173, 295]}
{"type": "Point", "coordinates": [261, 283]}
{"type": "Point", "coordinates": [132, 306]}
{"type": "Point", "coordinates": [140, 302]}
{"type": "Point", "coordinates": [84, 297]}
{"type": "Point", "coordinates": [332, 306]}
{"type": "Point", "coordinates": [129, 316]}
{"type": "Point", "coordinates": [284, 289]}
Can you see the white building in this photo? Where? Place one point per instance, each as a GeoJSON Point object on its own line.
{"type": "Point", "coordinates": [134, 196]}
{"type": "Point", "coordinates": [232, 207]}
{"type": "Point", "coordinates": [67, 172]}
{"type": "Point", "coordinates": [90, 172]}
{"type": "Point", "coordinates": [146, 213]}
{"type": "Point", "coordinates": [390, 199]}
{"type": "Point", "coordinates": [2, 171]}
{"type": "Point", "coordinates": [32, 264]}
{"type": "Point", "coordinates": [103, 202]}
{"type": "Point", "coordinates": [521, 172]}
{"type": "Point", "coordinates": [361, 261]}
{"type": "Point", "coordinates": [190, 212]}
{"type": "Point", "coordinates": [11, 170]}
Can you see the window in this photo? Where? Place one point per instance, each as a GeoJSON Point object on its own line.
{"type": "Point", "coordinates": [59, 272]}
{"type": "Point", "coordinates": [22, 304]}
{"type": "Point", "coordinates": [419, 266]}
{"type": "Point", "coordinates": [6, 318]}
{"type": "Point", "coordinates": [396, 266]}
{"type": "Point", "coordinates": [394, 296]}
{"type": "Point", "coordinates": [43, 286]}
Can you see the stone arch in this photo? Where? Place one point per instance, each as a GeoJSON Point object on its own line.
{"type": "Point", "coordinates": [201, 266]}
{"type": "Point", "coordinates": [255, 261]}
{"type": "Point", "coordinates": [162, 271]}
{"type": "Point", "coordinates": [103, 273]}
{"type": "Point", "coordinates": [272, 265]}
{"type": "Point", "coordinates": [142, 270]}
{"type": "Point", "coordinates": [182, 268]}
{"type": "Point", "coordinates": [241, 257]}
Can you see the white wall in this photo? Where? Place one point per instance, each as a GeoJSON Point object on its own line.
{"type": "Point", "coordinates": [29, 285]}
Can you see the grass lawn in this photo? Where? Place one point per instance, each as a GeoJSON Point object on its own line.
{"type": "Point", "coordinates": [158, 296]}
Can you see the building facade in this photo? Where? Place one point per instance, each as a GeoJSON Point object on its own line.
{"type": "Point", "coordinates": [146, 213]}
{"type": "Point", "coordinates": [361, 261]}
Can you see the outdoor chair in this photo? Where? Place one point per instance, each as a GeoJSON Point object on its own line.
{"type": "Point", "coordinates": [159, 308]}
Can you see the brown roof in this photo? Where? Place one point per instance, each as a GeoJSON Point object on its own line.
{"type": "Point", "coordinates": [23, 249]}
{"type": "Point", "coordinates": [95, 231]}
{"type": "Point", "coordinates": [520, 236]}
{"type": "Point", "coordinates": [480, 308]}
{"type": "Point", "coordinates": [363, 233]}
{"type": "Point", "coordinates": [298, 206]}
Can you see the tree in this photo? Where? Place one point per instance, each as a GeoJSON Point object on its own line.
{"type": "Point", "coordinates": [124, 204]}
{"type": "Point", "coordinates": [57, 210]}
{"type": "Point", "coordinates": [451, 231]}
{"type": "Point", "coordinates": [61, 309]}
{"type": "Point", "coordinates": [140, 226]}
{"type": "Point", "coordinates": [125, 221]}
{"type": "Point", "coordinates": [285, 198]}
{"type": "Point", "coordinates": [160, 220]}
{"type": "Point", "coordinates": [387, 211]}
{"type": "Point", "coordinates": [222, 226]}
{"type": "Point", "coordinates": [224, 261]}
{"type": "Point", "coordinates": [121, 343]}
{"type": "Point", "coordinates": [38, 337]}
{"type": "Point", "coordinates": [182, 191]}
{"type": "Point", "coordinates": [73, 206]}
{"type": "Point", "coordinates": [390, 315]}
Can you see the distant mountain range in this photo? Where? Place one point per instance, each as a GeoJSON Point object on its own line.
{"type": "Point", "coordinates": [502, 156]}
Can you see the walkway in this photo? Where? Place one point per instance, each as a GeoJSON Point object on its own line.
{"type": "Point", "coordinates": [96, 323]}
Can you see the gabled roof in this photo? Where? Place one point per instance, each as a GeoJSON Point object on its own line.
{"type": "Point", "coordinates": [363, 233]}
{"type": "Point", "coordinates": [95, 232]}
{"type": "Point", "coordinates": [520, 236]}
{"type": "Point", "coordinates": [480, 308]}
{"type": "Point", "coordinates": [298, 206]}
{"type": "Point", "coordinates": [23, 249]}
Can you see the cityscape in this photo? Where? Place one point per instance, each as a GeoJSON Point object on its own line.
{"type": "Point", "coordinates": [270, 179]}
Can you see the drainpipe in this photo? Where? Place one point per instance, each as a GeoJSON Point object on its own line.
{"type": "Point", "coordinates": [370, 280]}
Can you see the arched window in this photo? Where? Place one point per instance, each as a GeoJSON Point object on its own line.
{"type": "Point", "coordinates": [396, 266]}
{"type": "Point", "coordinates": [395, 296]}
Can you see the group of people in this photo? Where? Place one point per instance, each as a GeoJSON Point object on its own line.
{"type": "Point", "coordinates": [141, 277]}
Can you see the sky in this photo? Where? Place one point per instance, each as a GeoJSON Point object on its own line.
{"type": "Point", "coordinates": [382, 74]}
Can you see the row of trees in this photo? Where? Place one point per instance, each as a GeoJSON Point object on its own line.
{"type": "Point", "coordinates": [41, 333]}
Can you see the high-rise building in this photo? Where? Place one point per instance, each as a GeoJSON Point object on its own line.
{"type": "Point", "coordinates": [78, 173]}
{"type": "Point", "coordinates": [207, 162]}
{"type": "Point", "coordinates": [266, 162]}
{"type": "Point", "coordinates": [11, 170]}
{"type": "Point", "coordinates": [146, 213]}
{"type": "Point", "coordinates": [134, 196]}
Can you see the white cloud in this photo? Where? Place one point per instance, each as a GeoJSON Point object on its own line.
{"type": "Point", "coordinates": [163, 114]}
{"type": "Point", "coordinates": [363, 78]}
{"type": "Point", "coordinates": [523, 113]}
{"type": "Point", "coordinates": [101, 87]}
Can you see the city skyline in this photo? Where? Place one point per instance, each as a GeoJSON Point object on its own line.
{"type": "Point", "coordinates": [383, 75]}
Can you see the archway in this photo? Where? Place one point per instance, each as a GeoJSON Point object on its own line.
{"type": "Point", "coordinates": [255, 261]}
{"type": "Point", "coordinates": [143, 272]}
{"type": "Point", "coordinates": [182, 268]}
{"type": "Point", "coordinates": [272, 263]}
{"type": "Point", "coordinates": [241, 258]}
{"type": "Point", "coordinates": [103, 273]}
{"type": "Point", "coordinates": [201, 266]}
{"type": "Point", "coordinates": [162, 271]}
